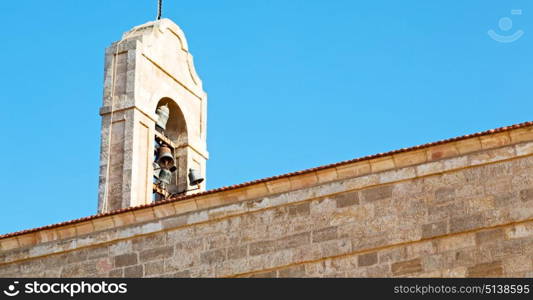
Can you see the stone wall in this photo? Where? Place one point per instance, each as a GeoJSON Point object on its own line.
{"type": "Point", "coordinates": [463, 208]}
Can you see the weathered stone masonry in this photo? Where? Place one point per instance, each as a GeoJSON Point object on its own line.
{"type": "Point", "coordinates": [455, 209]}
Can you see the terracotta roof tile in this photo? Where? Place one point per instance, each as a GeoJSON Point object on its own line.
{"type": "Point", "coordinates": [227, 188]}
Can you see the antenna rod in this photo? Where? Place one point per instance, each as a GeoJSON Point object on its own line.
{"type": "Point", "coordinates": [159, 9]}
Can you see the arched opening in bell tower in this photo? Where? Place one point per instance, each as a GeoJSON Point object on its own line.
{"type": "Point", "coordinates": [170, 159]}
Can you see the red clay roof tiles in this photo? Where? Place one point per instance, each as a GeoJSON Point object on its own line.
{"type": "Point", "coordinates": [227, 188]}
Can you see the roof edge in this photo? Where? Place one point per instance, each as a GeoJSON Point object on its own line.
{"type": "Point", "coordinates": [268, 179]}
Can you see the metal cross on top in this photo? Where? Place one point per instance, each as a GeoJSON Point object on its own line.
{"type": "Point", "coordinates": [159, 9]}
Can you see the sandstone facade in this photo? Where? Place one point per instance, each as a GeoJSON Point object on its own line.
{"type": "Point", "coordinates": [461, 208]}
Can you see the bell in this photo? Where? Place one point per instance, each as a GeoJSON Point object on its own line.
{"type": "Point", "coordinates": [162, 113]}
{"type": "Point", "coordinates": [194, 177]}
{"type": "Point", "coordinates": [165, 158]}
{"type": "Point", "coordinates": [165, 176]}
{"type": "Point", "coordinates": [157, 169]}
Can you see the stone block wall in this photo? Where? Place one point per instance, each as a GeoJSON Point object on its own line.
{"type": "Point", "coordinates": [458, 209]}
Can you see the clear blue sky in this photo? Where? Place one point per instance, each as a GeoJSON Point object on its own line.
{"type": "Point", "coordinates": [291, 84]}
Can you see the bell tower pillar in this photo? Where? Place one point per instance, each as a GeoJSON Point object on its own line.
{"type": "Point", "coordinates": [153, 139]}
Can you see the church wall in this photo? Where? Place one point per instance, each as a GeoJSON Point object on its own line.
{"type": "Point", "coordinates": [461, 208]}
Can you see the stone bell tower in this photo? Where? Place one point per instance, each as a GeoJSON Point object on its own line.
{"type": "Point", "coordinates": [153, 140]}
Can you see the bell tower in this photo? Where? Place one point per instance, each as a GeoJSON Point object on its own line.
{"type": "Point", "coordinates": [153, 138]}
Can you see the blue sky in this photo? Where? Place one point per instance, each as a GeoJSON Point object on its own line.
{"type": "Point", "coordinates": [291, 84]}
